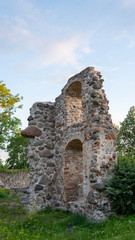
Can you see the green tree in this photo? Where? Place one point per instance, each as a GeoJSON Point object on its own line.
{"type": "Point", "coordinates": [126, 134]}
{"type": "Point", "coordinates": [8, 122]}
{"type": "Point", "coordinates": [3, 166]}
{"type": "Point", "coordinates": [17, 150]}
{"type": "Point", "coordinates": [10, 136]}
{"type": "Point", "coordinates": [121, 187]}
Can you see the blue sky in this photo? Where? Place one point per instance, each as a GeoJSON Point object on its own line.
{"type": "Point", "coordinates": [44, 42]}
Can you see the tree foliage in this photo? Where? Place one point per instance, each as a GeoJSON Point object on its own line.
{"type": "Point", "coordinates": [126, 134]}
{"type": "Point", "coordinates": [8, 122]}
{"type": "Point", "coordinates": [10, 128]}
{"type": "Point", "coordinates": [121, 187]}
{"type": "Point", "coordinates": [17, 150]}
{"type": "Point", "coordinates": [3, 166]}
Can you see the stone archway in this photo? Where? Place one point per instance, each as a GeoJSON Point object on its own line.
{"type": "Point", "coordinates": [73, 171]}
{"type": "Point", "coordinates": [73, 102]}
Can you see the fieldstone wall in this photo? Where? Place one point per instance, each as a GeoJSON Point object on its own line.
{"type": "Point", "coordinates": [15, 180]}
{"type": "Point", "coordinates": [72, 157]}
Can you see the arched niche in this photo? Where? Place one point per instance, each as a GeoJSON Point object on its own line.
{"type": "Point", "coordinates": [73, 171]}
{"type": "Point", "coordinates": [73, 102]}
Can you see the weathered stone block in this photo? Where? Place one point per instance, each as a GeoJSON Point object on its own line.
{"type": "Point", "coordinates": [46, 153]}
{"type": "Point", "coordinates": [44, 180]}
{"type": "Point", "coordinates": [91, 198]}
{"type": "Point", "coordinates": [49, 145]}
{"type": "Point", "coordinates": [99, 186]}
{"type": "Point", "coordinates": [97, 85]}
{"type": "Point", "coordinates": [48, 196]}
{"type": "Point", "coordinates": [38, 187]}
{"type": "Point", "coordinates": [31, 132]}
{"type": "Point", "coordinates": [2, 184]}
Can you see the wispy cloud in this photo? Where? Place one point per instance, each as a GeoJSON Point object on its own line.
{"type": "Point", "coordinates": [99, 67]}
{"type": "Point", "coordinates": [42, 45]}
{"type": "Point", "coordinates": [17, 37]}
{"type": "Point", "coordinates": [46, 52]}
{"type": "Point", "coordinates": [87, 50]}
{"type": "Point", "coordinates": [121, 36]}
{"type": "Point", "coordinates": [130, 63]}
{"type": "Point", "coordinates": [114, 69]}
{"type": "Point", "coordinates": [128, 3]}
{"type": "Point", "coordinates": [129, 39]}
{"type": "Point", "coordinates": [63, 51]}
{"type": "Point", "coordinates": [131, 44]}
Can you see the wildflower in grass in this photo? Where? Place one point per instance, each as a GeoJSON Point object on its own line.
{"type": "Point", "coordinates": [69, 229]}
{"type": "Point", "coordinates": [35, 228]}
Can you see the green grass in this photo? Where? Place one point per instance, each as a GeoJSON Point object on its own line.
{"type": "Point", "coordinates": [49, 224]}
{"type": "Point", "coordinates": [13, 170]}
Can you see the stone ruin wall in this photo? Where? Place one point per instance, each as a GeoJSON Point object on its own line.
{"type": "Point", "coordinates": [71, 158]}
{"type": "Point", "coordinates": [19, 179]}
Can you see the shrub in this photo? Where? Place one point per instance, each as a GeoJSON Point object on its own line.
{"type": "Point", "coordinates": [121, 187]}
{"type": "Point", "coordinates": [3, 166]}
{"type": "Point", "coordinates": [3, 193]}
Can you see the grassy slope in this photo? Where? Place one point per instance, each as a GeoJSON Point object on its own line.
{"type": "Point", "coordinates": [49, 224]}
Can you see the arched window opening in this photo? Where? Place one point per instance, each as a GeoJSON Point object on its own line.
{"type": "Point", "coordinates": [73, 171]}
{"type": "Point", "coordinates": [73, 101]}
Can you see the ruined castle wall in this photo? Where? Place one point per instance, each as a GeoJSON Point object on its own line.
{"type": "Point", "coordinates": [72, 158]}
{"type": "Point", "coordinates": [69, 125]}
{"type": "Point", "coordinates": [41, 153]}
{"type": "Point", "coordinates": [98, 144]}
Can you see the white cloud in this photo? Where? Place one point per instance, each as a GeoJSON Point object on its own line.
{"type": "Point", "coordinates": [128, 3]}
{"type": "Point", "coordinates": [101, 68]}
{"type": "Point", "coordinates": [98, 67]}
{"type": "Point", "coordinates": [66, 52]}
{"type": "Point", "coordinates": [121, 36]}
{"type": "Point", "coordinates": [40, 46]}
{"type": "Point", "coordinates": [114, 69]}
{"type": "Point", "coordinates": [128, 37]}
{"type": "Point", "coordinates": [130, 63]}
{"type": "Point", "coordinates": [63, 52]}
{"type": "Point", "coordinates": [87, 50]}
{"type": "Point", "coordinates": [131, 44]}
{"type": "Point", "coordinates": [46, 52]}
{"type": "Point", "coordinates": [16, 38]}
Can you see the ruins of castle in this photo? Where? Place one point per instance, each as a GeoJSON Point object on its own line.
{"type": "Point", "coordinates": [72, 148]}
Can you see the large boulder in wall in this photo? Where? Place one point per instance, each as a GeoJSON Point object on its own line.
{"type": "Point", "coordinates": [31, 132]}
